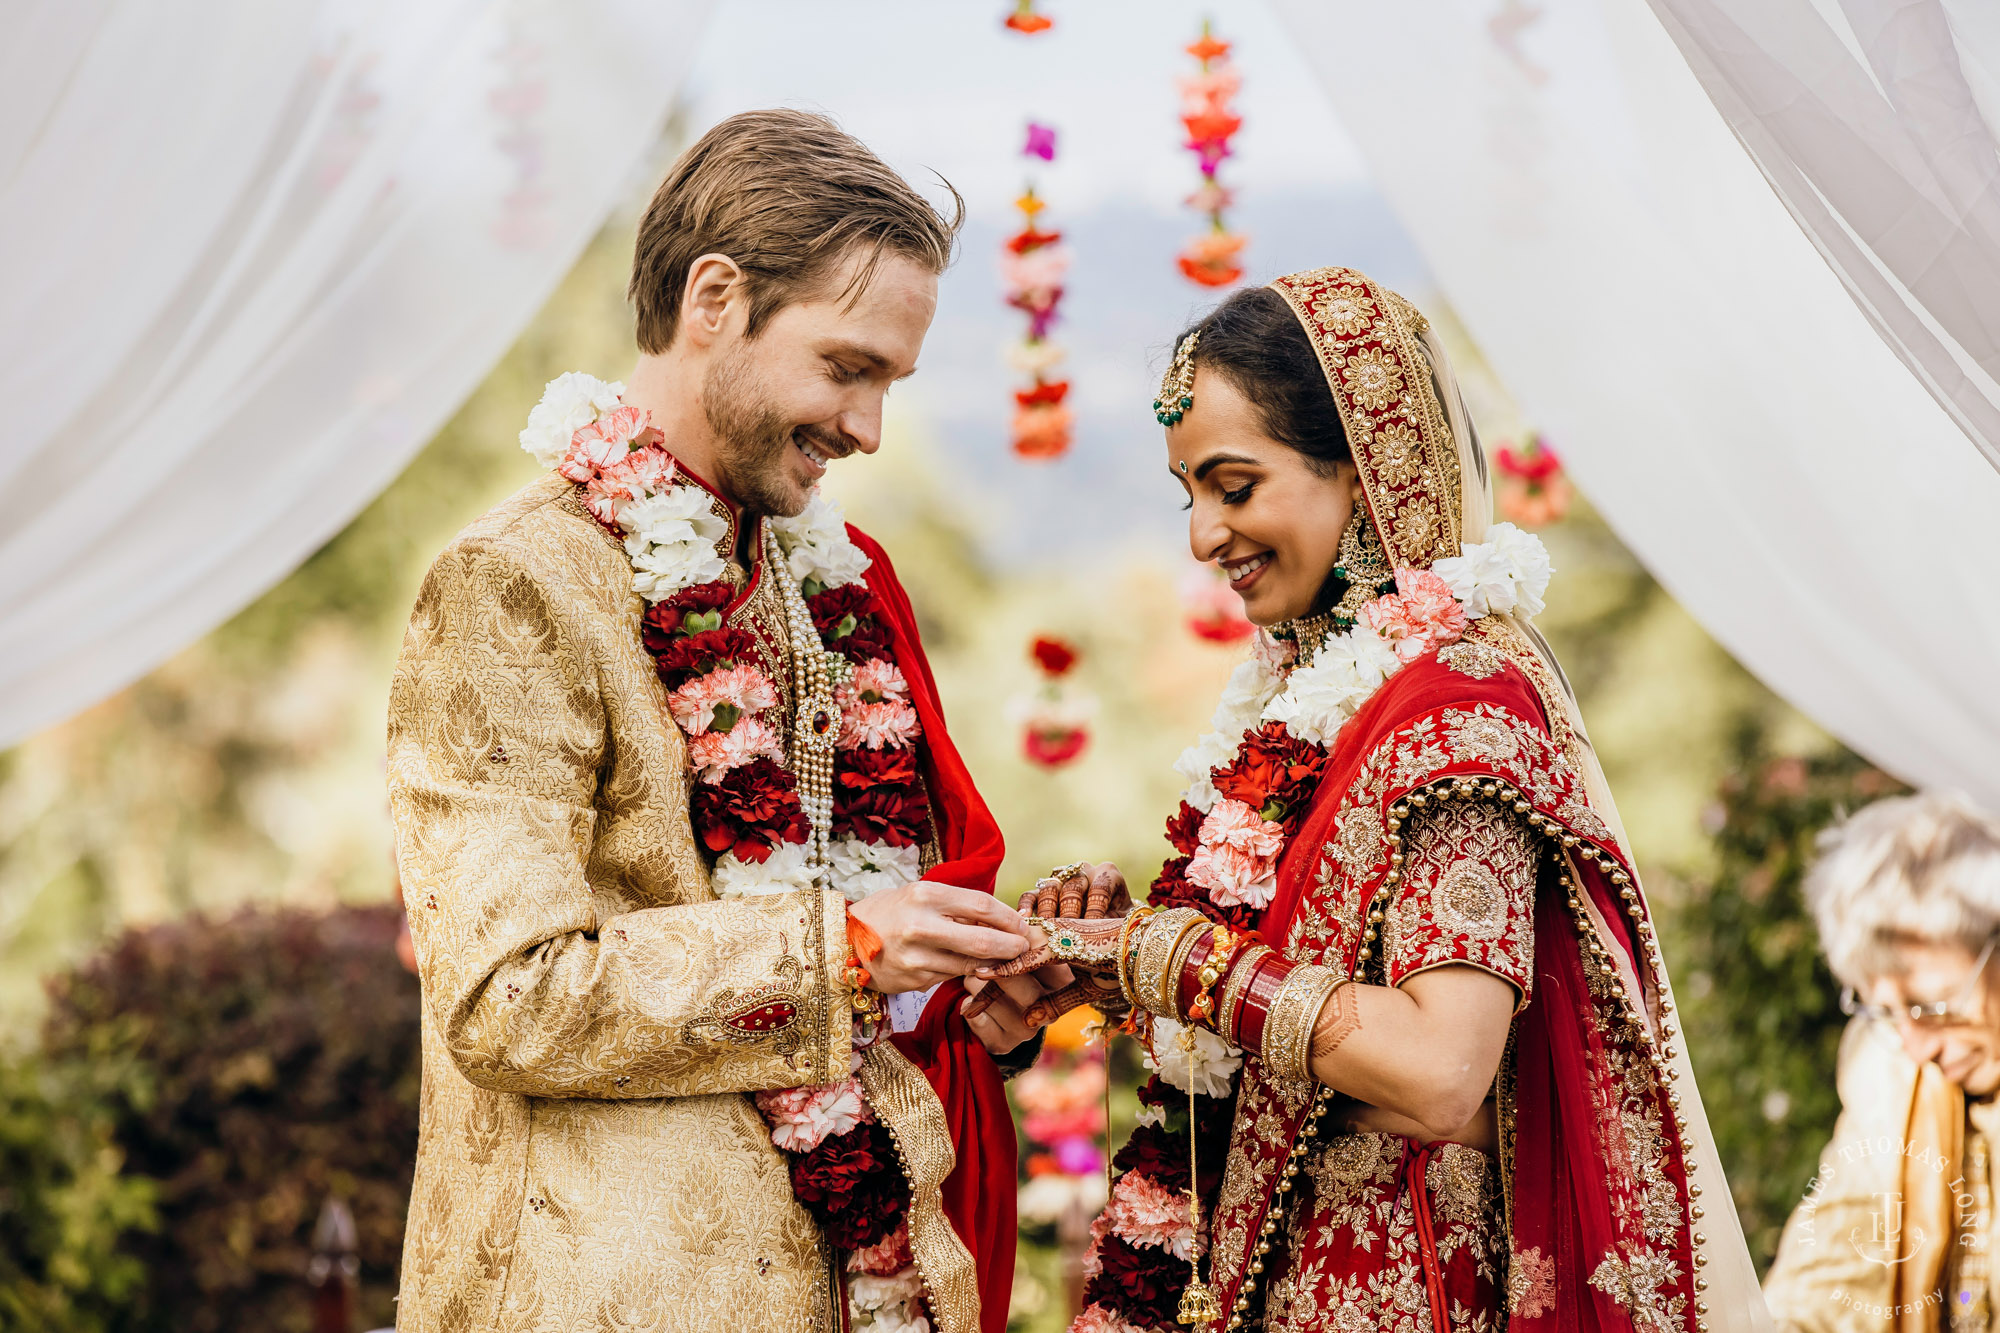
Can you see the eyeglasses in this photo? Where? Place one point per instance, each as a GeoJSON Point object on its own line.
{"type": "Point", "coordinates": [1958, 1009]}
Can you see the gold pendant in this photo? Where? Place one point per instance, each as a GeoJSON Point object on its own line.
{"type": "Point", "coordinates": [1199, 1306]}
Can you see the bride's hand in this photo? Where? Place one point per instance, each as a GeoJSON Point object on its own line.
{"type": "Point", "coordinates": [1089, 891]}
{"type": "Point", "coordinates": [1096, 978]}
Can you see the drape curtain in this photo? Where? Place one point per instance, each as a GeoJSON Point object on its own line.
{"type": "Point", "coordinates": [1874, 122]}
{"type": "Point", "coordinates": [252, 255]}
{"type": "Point", "coordinates": [1629, 273]}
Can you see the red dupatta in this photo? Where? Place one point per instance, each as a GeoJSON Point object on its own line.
{"type": "Point", "coordinates": [978, 1195]}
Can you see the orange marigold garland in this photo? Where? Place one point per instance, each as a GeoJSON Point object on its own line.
{"type": "Point", "coordinates": [1212, 258]}
{"type": "Point", "coordinates": [1034, 263]}
{"type": "Point", "coordinates": [1533, 492]}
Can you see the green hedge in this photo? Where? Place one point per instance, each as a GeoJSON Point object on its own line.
{"type": "Point", "coordinates": [247, 1069]}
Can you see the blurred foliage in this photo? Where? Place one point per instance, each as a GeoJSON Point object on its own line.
{"type": "Point", "coordinates": [1761, 1011]}
{"type": "Point", "coordinates": [245, 1069]}
{"type": "Point", "coordinates": [64, 1206]}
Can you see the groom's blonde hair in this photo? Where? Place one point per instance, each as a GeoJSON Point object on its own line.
{"type": "Point", "coordinates": [787, 195]}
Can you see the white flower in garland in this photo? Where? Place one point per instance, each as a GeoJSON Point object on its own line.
{"type": "Point", "coordinates": [569, 403]}
{"type": "Point", "coordinates": [1509, 571]}
{"type": "Point", "coordinates": [817, 547]}
{"type": "Point", "coordinates": [863, 868]}
{"type": "Point", "coordinates": [784, 871]}
{"type": "Point", "coordinates": [1323, 694]}
{"type": "Point", "coordinates": [670, 538]}
{"type": "Point", "coordinates": [1206, 1070]}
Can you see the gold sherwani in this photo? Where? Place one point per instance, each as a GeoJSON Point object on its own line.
{"type": "Point", "coordinates": [593, 1015]}
{"type": "Point", "coordinates": [1892, 1237]}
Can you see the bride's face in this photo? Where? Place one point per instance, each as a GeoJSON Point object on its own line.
{"type": "Point", "coordinates": [1256, 506]}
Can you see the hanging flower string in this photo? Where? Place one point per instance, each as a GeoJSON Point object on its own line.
{"type": "Point", "coordinates": [1055, 719]}
{"type": "Point", "coordinates": [1250, 782]}
{"type": "Point", "coordinates": [746, 807]}
{"type": "Point", "coordinates": [1534, 491]}
{"type": "Point", "coordinates": [1212, 258]}
{"type": "Point", "coordinates": [1212, 609]}
{"type": "Point", "coordinates": [1025, 20]}
{"type": "Point", "coordinates": [1034, 264]}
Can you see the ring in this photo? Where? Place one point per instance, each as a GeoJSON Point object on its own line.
{"type": "Point", "coordinates": [1062, 874]}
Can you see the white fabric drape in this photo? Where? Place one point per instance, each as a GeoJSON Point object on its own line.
{"type": "Point", "coordinates": [252, 255]}
{"type": "Point", "coordinates": [1737, 420]}
{"type": "Point", "coordinates": [1867, 120]}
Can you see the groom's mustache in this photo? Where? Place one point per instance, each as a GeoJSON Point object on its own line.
{"type": "Point", "coordinates": [832, 443]}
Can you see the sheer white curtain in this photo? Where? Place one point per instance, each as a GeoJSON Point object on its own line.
{"type": "Point", "coordinates": [1874, 120]}
{"type": "Point", "coordinates": [1736, 418]}
{"type": "Point", "coordinates": [252, 255]}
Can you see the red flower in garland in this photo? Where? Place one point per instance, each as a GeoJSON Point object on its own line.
{"type": "Point", "coordinates": [1053, 656]}
{"type": "Point", "coordinates": [899, 816]}
{"type": "Point", "coordinates": [1026, 21]}
{"type": "Point", "coordinates": [751, 812]}
{"type": "Point", "coordinates": [847, 624]}
{"type": "Point", "coordinates": [862, 769]}
{"type": "Point", "coordinates": [1273, 773]}
{"type": "Point", "coordinates": [851, 1185]}
{"type": "Point", "coordinates": [1143, 1284]}
{"type": "Point", "coordinates": [677, 658]}
{"type": "Point", "coordinates": [1184, 829]}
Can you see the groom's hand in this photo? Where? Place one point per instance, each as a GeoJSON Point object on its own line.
{"type": "Point", "coordinates": [932, 932]}
{"type": "Point", "coordinates": [997, 1011]}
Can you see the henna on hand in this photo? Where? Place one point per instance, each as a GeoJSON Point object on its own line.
{"type": "Point", "coordinates": [1338, 1020]}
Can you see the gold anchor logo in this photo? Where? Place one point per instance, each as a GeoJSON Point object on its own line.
{"type": "Point", "coordinates": [1885, 1246]}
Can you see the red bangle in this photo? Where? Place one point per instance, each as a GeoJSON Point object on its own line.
{"type": "Point", "coordinates": [1203, 971]}
{"type": "Point", "coordinates": [1271, 970]}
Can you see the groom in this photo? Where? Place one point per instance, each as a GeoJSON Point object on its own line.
{"type": "Point", "coordinates": [626, 929]}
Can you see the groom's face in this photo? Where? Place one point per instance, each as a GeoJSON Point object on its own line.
{"type": "Point", "coordinates": [808, 389]}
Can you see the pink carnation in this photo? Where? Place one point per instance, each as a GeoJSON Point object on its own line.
{"type": "Point", "coordinates": [1144, 1212]}
{"type": "Point", "coordinates": [877, 726]}
{"type": "Point", "coordinates": [877, 677]}
{"type": "Point", "coordinates": [744, 688]}
{"type": "Point", "coordinates": [1100, 1318]}
{"type": "Point", "coordinates": [886, 1257]}
{"type": "Point", "coordinates": [1420, 616]}
{"type": "Point", "coordinates": [801, 1118]}
{"type": "Point", "coordinates": [603, 442]}
{"type": "Point", "coordinates": [1236, 860]}
{"type": "Point", "coordinates": [714, 753]}
{"type": "Point", "coordinates": [646, 470]}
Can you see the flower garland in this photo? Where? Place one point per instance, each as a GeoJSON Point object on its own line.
{"type": "Point", "coordinates": [746, 805]}
{"type": "Point", "coordinates": [1211, 258]}
{"type": "Point", "coordinates": [1212, 611]}
{"type": "Point", "coordinates": [1250, 781]}
{"type": "Point", "coordinates": [1034, 264]}
{"type": "Point", "coordinates": [1025, 20]}
{"type": "Point", "coordinates": [1533, 490]}
{"type": "Point", "coordinates": [1055, 719]}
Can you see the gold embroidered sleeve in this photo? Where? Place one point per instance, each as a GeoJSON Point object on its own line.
{"type": "Point", "coordinates": [1467, 895]}
{"type": "Point", "coordinates": [539, 982]}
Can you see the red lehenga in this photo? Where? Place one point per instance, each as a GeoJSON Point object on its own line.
{"type": "Point", "coordinates": [1465, 783]}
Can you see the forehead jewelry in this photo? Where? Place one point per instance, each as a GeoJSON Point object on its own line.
{"type": "Point", "coordinates": [1177, 389]}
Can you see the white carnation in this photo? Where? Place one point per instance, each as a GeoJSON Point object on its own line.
{"type": "Point", "coordinates": [783, 871]}
{"type": "Point", "coordinates": [863, 868]}
{"type": "Point", "coordinates": [670, 539]}
{"type": "Point", "coordinates": [1198, 761]}
{"type": "Point", "coordinates": [1251, 686]}
{"type": "Point", "coordinates": [1508, 572]}
{"type": "Point", "coordinates": [569, 403]}
{"type": "Point", "coordinates": [817, 547]}
{"type": "Point", "coordinates": [1206, 1070]}
{"type": "Point", "coordinates": [1321, 696]}
{"type": "Point", "coordinates": [866, 1292]}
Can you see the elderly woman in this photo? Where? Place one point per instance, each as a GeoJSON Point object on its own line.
{"type": "Point", "coordinates": [1894, 1233]}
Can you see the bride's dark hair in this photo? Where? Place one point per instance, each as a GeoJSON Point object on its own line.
{"type": "Point", "coordinates": [1255, 341]}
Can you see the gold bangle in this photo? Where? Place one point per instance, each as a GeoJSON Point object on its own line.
{"type": "Point", "coordinates": [1132, 918]}
{"type": "Point", "coordinates": [1288, 1026]}
{"type": "Point", "coordinates": [1158, 943]}
{"type": "Point", "coordinates": [1169, 993]}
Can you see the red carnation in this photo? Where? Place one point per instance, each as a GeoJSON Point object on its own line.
{"type": "Point", "coordinates": [678, 659]}
{"type": "Point", "coordinates": [1044, 393]}
{"type": "Point", "coordinates": [1273, 773]}
{"type": "Point", "coordinates": [1184, 829]}
{"type": "Point", "coordinates": [830, 607]}
{"type": "Point", "coordinates": [1029, 239]}
{"type": "Point", "coordinates": [852, 1186]}
{"type": "Point", "coordinates": [1142, 1283]}
{"type": "Point", "coordinates": [1052, 655]}
{"type": "Point", "coordinates": [899, 816]}
{"type": "Point", "coordinates": [750, 812]}
{"type": "Point", "coordinates": [712, 596]}
{"type": "Point", "coordinates": [859, 770]}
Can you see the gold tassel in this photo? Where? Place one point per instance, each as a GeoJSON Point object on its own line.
{"type": "Point", "coordinates": [1199, 1306]}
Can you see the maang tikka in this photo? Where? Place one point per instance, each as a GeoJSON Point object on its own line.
{"type": "Point", "coordinates": [1177, 389]}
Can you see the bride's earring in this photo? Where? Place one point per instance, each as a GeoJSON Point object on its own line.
{"type": "Point", "coordinates": [1361, 561]}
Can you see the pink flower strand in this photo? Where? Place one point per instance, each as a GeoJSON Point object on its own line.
{"type": "Point", "coordinates": [603, 442]}
{"type": "Point", "coordinates": [1421, 616]}
{"type": "Point", "coordinates": [1100, 1318]}
{"type": "Point", "coordinates": [877, 726]}
{"type": "Point", "coordinates": [744, 688]}
{"type": "Point", "coordinates": [802, 1118]}
{"type": "Point", "coordinates": [714, 753]}
{"type": "Point", "coordinates": [1237, 859]}
{"type": "Point", "coordinates": [880, 677]}
{"type": "Point", "coordinates": [886, 1257]}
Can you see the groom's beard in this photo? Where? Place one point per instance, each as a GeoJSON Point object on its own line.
{"type": "Point", "coordinates": [753, 439]}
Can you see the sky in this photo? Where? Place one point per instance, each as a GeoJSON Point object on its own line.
{"type": "Point", "coordinates": [940, 87]}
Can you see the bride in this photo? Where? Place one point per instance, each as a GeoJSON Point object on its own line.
{"type": "Point", "coordinates": [1414, 1041]}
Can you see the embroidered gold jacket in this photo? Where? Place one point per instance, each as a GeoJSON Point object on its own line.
{"type": "Point", "coordinates": [593, 1015]}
